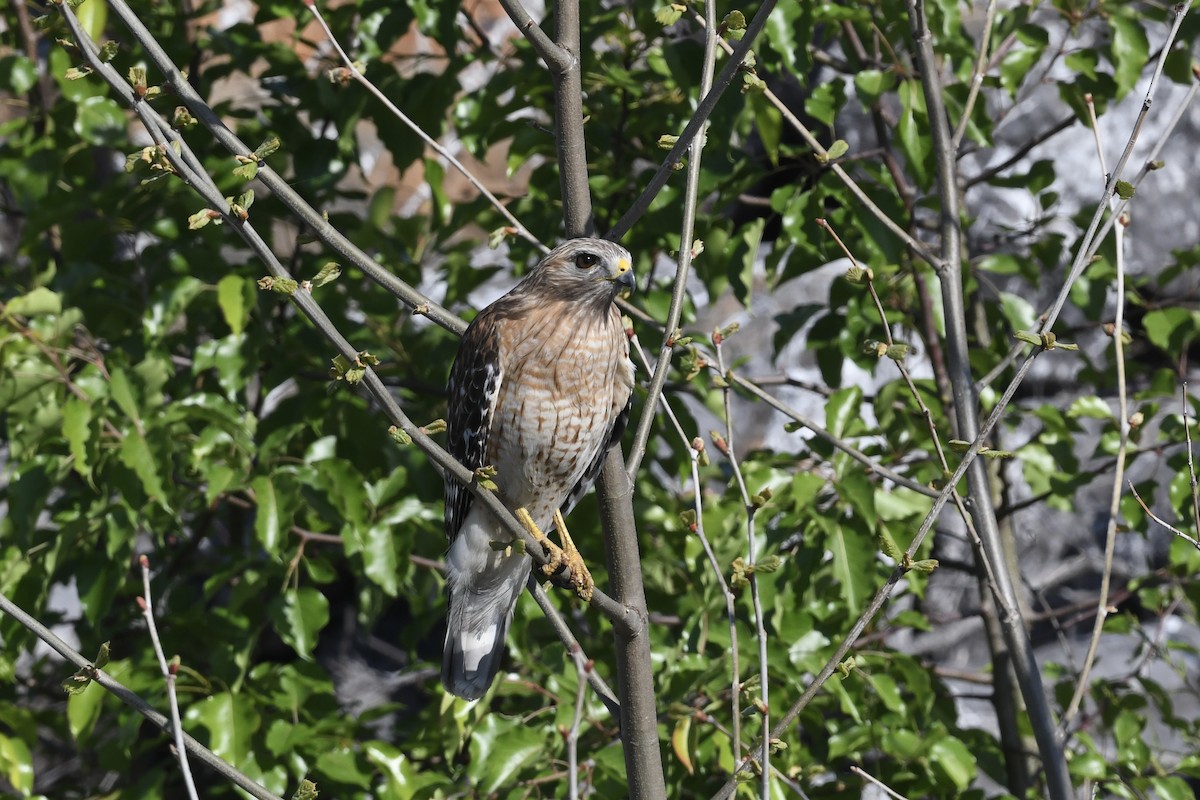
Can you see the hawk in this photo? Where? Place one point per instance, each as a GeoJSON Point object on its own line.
{"type": "Point", "coordinates": [539, 390]}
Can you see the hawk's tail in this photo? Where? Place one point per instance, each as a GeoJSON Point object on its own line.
{"type": "Point", "coordinates": [477, 628]}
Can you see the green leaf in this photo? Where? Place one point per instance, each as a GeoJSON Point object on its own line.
{"type": "Point", "coordinates": [499, 749]}
{"type": "Point", "coordinates": [950, 757]}
{"type": "Point", "coordinates": [912, 130]}
{"type": "Point", "coordinates": [400, 775]}
{"type": "Point", "coordinates": [100, 121]}
{"type": "Point", "coordinates": [1090, 406]}
{"type": "Point", "coordinates": [1017, 311]}
{"type": "Point", "coordinates": [77, 416]}
{"type": "Point", "coordinates": [1124, 190]}
{"type": "Point", "coordinates": [39, 302]}
{"type": "Point", "coordinates": [268, 526]}
{"type": "Point", "coordinates": [1170, 329]}
{"type": "Point", "coordinates": [83, 709]}
{"type": "Point", "coordinates": [379, 557]}
{"type": "Point", "coordinates": [769, 123]}
{"type": "Point", "coordinates": [1130, 51]}
{"type": "Point", "coordinates": [669, 14]}
{"type": "Point", "coordinates": [842, 409]}
{"type": "Point", "coordinates": [16, 764]}
{"type": "Point", "coordinates": [135, 454]}
{"type": "Point", "coordinates": [231, 722]}
{"type": "Point", "coordinates": [122, 394]}
{"type": "Point", "coordinates": [93, 15]}
{"type": "Point", "coordinates": [231, 296]}
{"type": "Point", "coordinates": [17, 74]}
{"type": "Point", "coordinates": [871, 84]}
{"type": "Point", "coordinates": [836, 150]}
{"type": "Point", "coordinates": [299, 616]}
{"type": "Point", "coordinates": [327, 274]}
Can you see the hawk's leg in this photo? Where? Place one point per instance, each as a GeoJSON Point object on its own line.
{"type": "Point", "coordinates": [558, 556]}
{"type": "Point", "coordinates": [579, 571]}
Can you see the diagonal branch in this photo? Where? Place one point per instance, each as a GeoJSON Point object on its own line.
{"type": "Point", "coordinates": [738, 55]}
{"type": "Point", "coordinates": [991, 546]}
{"type": "Point", "coordinates": [280, 188]}
{"type": "Point", "coordinates": [429, 141]}
{"type": "Point", "coordinates": [134, 701]}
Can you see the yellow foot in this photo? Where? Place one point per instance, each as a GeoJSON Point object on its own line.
{"type": "Point", "coordinates": [579, 571]}
{"type": "Point", "coordinates": [557, 557]}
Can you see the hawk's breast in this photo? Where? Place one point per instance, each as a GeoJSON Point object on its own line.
{"type": "Point", "coordinates": [567, 377]}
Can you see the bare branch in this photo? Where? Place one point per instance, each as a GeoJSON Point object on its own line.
{"type": "Point", "coordinates": [1162, 522]}
{"type": "Point", "coordinates": [581, 670]}
{"type": "Point", "coordinates": [429, 141]}
{"type": "Point", "coordinates": [134, 701]}
{"type": "Point", "coordinates": [280, 188]}
{"type": "Point", "coordinates": [981, 63]}
{"type": "Point", "coordinates": [825, 436]}
{"type": "Point", "coordinates": [751, 559]}
{"type": "Point", "coordinates": [703, 111]}
{"type": "Point", "coordinates": [168, 672]}
{"type": "Point", "coordinates": [871, 779]}
{"type": "Point", "coordinates": [1114, 505]}
{"type": "Point", "coordinates": [991, 548]}
{"type": "Point", "coordinates": [557, 59]}
{"type": "Point", "coordinates": [679, 292]}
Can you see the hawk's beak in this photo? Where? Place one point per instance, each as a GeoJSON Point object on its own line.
{"type": "Point", "coordinates": [625, 275]}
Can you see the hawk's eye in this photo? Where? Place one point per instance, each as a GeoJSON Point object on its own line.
{"type": "Point", "coordinates": [586, 260]}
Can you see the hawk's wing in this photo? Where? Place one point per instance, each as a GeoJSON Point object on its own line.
{"type": "Point", "coordinates": [473, 388]}
{"type": "Point", "coordinates": [616, 429]}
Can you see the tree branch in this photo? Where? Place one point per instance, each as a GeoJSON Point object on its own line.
{"type": "Point", "coordinates": [134, 701]}
{"type": "Point", "coordinates": [429, 141]}
{"type": "Point", "coordinates": [316, 222]}
{"type": "Point", "coordinates": [991, 548]}
{"type": "Point", "coordinates": [642, 204]}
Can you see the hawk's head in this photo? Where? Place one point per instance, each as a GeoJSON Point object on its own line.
{"type": "Point", "coordinates": [591, 271]}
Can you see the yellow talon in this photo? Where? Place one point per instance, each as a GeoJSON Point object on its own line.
{"type": "Point", "coordinates": [557, 557]}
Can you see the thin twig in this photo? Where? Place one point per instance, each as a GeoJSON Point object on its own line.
{"type": "Point", "coordinates": [698, 119]}
{"type": "Point", "coordinates": [1114, 505]}
{"type": "Point", "coordinates": [727, 449]}
{"type": "Point", "coordinates": [871, 779]}
{"type": "Point", "coordinates": [168, 671]}
{"type": "Point", "coordinates": [825, 436]}
{"type": "Point", "coordinates": [1187, 434]}
{"type": "Point", "coordinates": [133, 700]}
{"type": "Point", "coordinates": [1189, 539]}
{"type": "Point", "coordinates": [582, 667]}
{"type": "Point", "coordinates": [1022, 151]}
{"type": "Point", "coordinates": [429, 141]}
{"type": "Point", "coordinates": [686, 252]}
{"type": "Point", "coordinates": [981, 63]}
{"type": "Point", "coordinates": [598, 684]}
{"type": "Point", "coordinates": [917, 247]}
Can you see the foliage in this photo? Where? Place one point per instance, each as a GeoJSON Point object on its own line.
{"type": "Point", "coordinates": [157, 400]}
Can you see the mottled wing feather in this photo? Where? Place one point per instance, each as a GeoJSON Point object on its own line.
{"type": "Point", "coordinates": [473, 388]}
{"type": "Point", "coordinates": [616, 429]}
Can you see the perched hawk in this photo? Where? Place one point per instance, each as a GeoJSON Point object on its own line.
{"type": "Point", "coordinates": [539, 390]}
